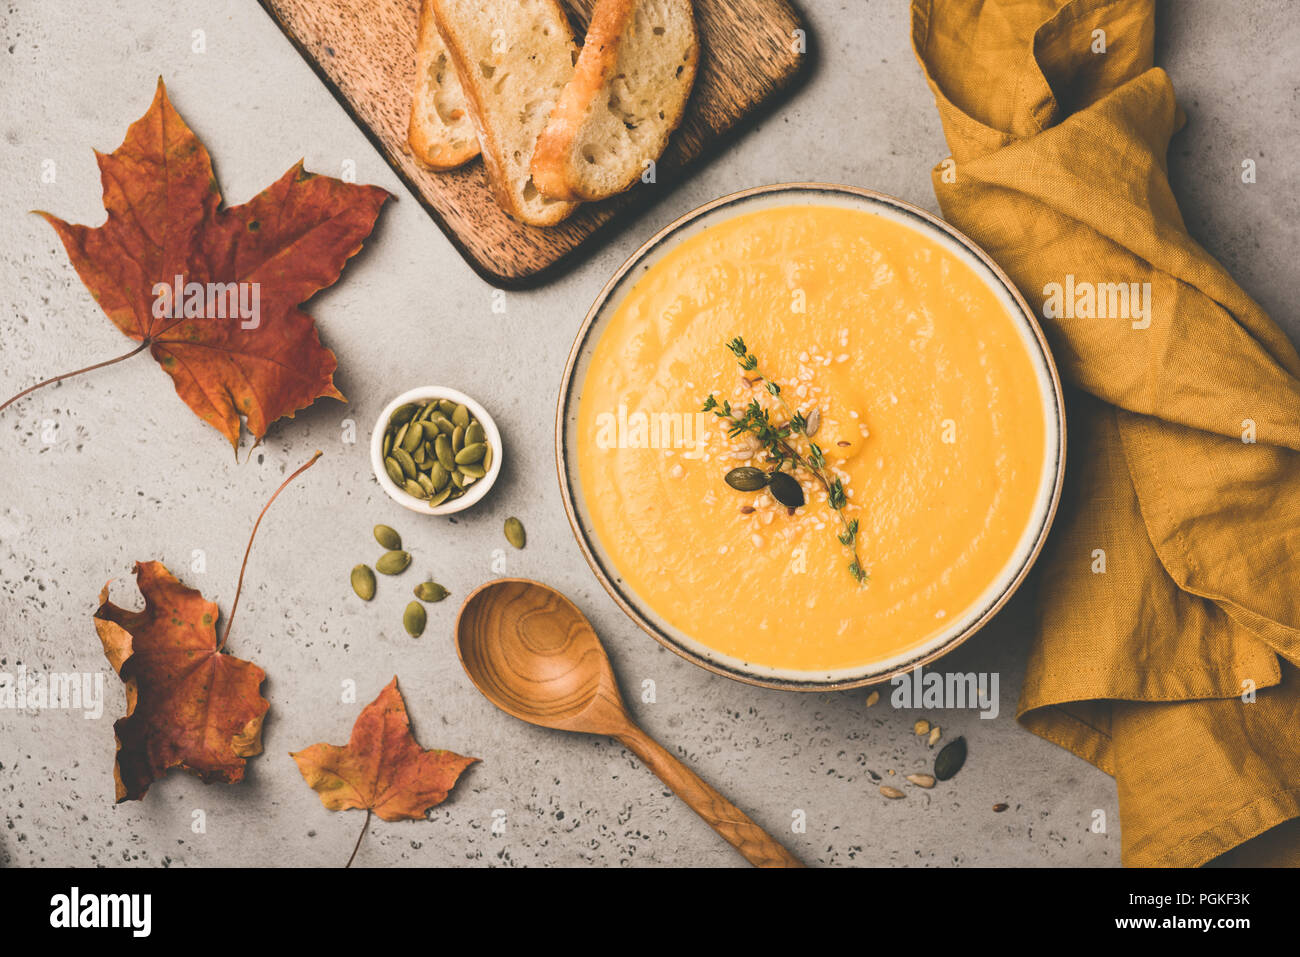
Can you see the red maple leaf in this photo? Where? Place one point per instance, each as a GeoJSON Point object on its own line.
{"type": "Point", "coordinates": [276, 251]}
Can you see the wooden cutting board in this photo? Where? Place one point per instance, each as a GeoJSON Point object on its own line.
{"type": "Point", "coordinates": [365, 53]}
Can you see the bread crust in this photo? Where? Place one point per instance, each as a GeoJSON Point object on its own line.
{"type": "Point", "coordinates": [430, 151]}
{"type": "Point", "coordinates": [489, 143]}
{"type": "Point", "coordinates": [552, 168]}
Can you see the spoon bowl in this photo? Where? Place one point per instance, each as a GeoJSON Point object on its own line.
{"type": "Point", "coordinates": [531, 652]}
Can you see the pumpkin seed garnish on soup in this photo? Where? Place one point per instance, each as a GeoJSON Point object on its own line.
{"type": "Point", "coordinates": [780, 449]}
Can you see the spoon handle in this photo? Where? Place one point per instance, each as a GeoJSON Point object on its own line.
{"type": "Point", "coordinates": [755, 844]}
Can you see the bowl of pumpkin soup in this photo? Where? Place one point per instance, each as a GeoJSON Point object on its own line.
{"type": "Point", "coordinates": [810, 437]}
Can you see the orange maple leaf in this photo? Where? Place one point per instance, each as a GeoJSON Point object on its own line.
{"type": "Point", "coordinates": [188, 705]}
{"type": "Point", "coordinates": [164, 221]}
{"type": "Point", "coordinates": [383, 769]}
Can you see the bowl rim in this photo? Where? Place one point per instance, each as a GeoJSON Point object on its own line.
{"type": "Point", "coordinates": [477, 491]}
{"type": "Point", "coordinates": [567, 386]}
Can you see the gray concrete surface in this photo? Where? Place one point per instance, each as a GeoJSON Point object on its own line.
{"type": "Point", "coordinates": [133, 474]}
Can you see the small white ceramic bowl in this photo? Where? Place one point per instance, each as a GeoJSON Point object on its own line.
{"type": "Point", "coordinates": [400, 495]}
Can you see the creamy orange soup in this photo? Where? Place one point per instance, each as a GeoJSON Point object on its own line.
{"type": "Point", "coordinates": [930, 412]}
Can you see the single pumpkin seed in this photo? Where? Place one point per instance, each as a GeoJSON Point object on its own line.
{"type": "Point", "coordinates": [420, 459]}
{"type": "Point", "coordinates": [442, 446]}
{"type": "Point", "coordinates": [414, 619]}
{"type": "Point", "coordinates": [950, 759]}
{"type": "Point", "coordinates": [363, 582]}
{"type": "Point", "coordinates": [401, 434]}
{"type": "Point", "coordinates": [388, 444]}
{"type": "Point", "coordinates": [403, 415]}
{"type": "Point", "coordinates": [473, 470]}
{"type": "Point", "coordinates": [438, 475]}
{"type": "Point", "coordinates": [426, 483]}
{"type": "Point", "coordinates": [460, 415]}
{"type": "Point", "coordinates": [430, 592]}
{"type": "Point", "coordinates": [474, 433]}
{"type": "Point", "coordinates": [921, 726]}
{"type": "Point", "coordinates": [393, 562]}
{"type": "Point", "coordinates": [447, 407]}
{"type": "Point", "coordinates": [388, 537]}
{"type": "Point", "coordinates": [746, 478]}
{"type": "Point", "coordinates": [414, 488]}
{"type": "Point", "coordinates": [814, 423]}
{"type": "Point", "coordinates": [786, 490]}
{"type": "Point", "coordinates": [426, 412]}
{"type": "Point", "coordinates": [471, 454]}
{"type": "Point", "coordinates": [414, 436]}
{"type": "Point", "coordinates": [442, 423]}
{"type": "Point", "coordinates": [394, 470]}
{"type": "Point", "coordinates": [458, 438]}
{"type": "Point", "coordinates": [487, 459]}
{"type": "Point", "coordinates": [922, 780]}
{"type": "Point", "coordinates": [892, 793]}
{"type": "Point", "coordinates": [515, 532]}
{"type": "Point", "coordinates": [404, 459]}
{"type": "Point", "coordinates": [437, 498]}
{"type": "Point", "coordinates": [457, 478]}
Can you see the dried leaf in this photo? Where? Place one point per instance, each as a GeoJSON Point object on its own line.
{"type": "Point", "coordinates": [382, 768]}
{"type": "Point", "coordinates": [188, 705]}
{"type": "Point", "coordinates": [164, 221]}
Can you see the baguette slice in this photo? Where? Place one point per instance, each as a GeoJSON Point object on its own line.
{"type": "Point", "coordinates": [627, 95]}
{"type": "Point", "coordinates": [441, 134]}
{"type": "Point", "coordinates": [514, 58]}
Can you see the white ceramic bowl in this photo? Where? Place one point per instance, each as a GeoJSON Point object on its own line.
{"type": "Point", "coordinates": [400, 495]}
{"type": "Point", "coordinates": [1002, 584]}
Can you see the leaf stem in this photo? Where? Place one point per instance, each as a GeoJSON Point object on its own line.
{"type": "Point", "coordinates": [357, 847]}
{"type": "Point", "coordinates": [243, 567]}
{"type": "Point", "coordinates": [68, 375]}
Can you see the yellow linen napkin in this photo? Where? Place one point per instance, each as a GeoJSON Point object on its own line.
{"type": "Point", "coordinates": [1169, 595]}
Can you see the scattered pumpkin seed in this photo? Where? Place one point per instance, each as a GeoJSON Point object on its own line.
{"type": "Point", "coordinates": [922, 780]}
{"type": "Point", "coordinates": [388, 538]}
{"type": "Point", "coordinates": [746, 478]}
{"type": "Point", "coordinates": [430, 591]}
{"type": "Point", "coordinates": [363, 582]}
{"type": "Point", "coordinates": [786, 489]}
{"type": "Point", "coordinates": [892, 793]}
{"type": "Point", "coordinates": [921, 727]}
{"type": "Point", "coordinates": [393, 562]}
{"type": "Point", "coordinates": [515, 532]}
{"type": "Point", "coordinates": [414, 619]}
{"type": "Point", "coordinates": [950, 759]}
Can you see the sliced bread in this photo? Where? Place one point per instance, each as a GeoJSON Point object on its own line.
{"type": "Point", "coordinates": [514, 58]}
{"type": "Point", "coordinates": [441, 133]}
{"type": "Point", "coordinates": [627, 95]}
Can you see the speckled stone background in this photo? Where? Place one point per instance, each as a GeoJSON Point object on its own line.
{"type": "Point", "coordinates": [132, 474]}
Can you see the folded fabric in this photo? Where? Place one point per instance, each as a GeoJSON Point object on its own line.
{"type": "Point", "coordinates": [1168, 629]}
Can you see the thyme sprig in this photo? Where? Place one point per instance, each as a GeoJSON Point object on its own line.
{"type": "Point", "coordinates": [776, 439]}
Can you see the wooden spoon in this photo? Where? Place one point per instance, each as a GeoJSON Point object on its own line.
{"type": "Point", "coordinates": [535, 656]}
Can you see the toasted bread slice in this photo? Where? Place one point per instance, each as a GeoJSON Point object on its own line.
{"type": "Point", "coordinates": [514, 58]}
{"type": "Point", "coordinates": [627, 95]}
{"type": "Point", "coordinates": [441, 133]}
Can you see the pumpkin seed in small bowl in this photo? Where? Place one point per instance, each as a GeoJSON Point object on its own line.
{"type": "Point", "coordinates": [435, 450]}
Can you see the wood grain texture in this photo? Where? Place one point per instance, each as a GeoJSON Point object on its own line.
{"type": "Point", "coordinates": [534, 655]}
{"type": "Point", "coordinates": [365, 53]}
